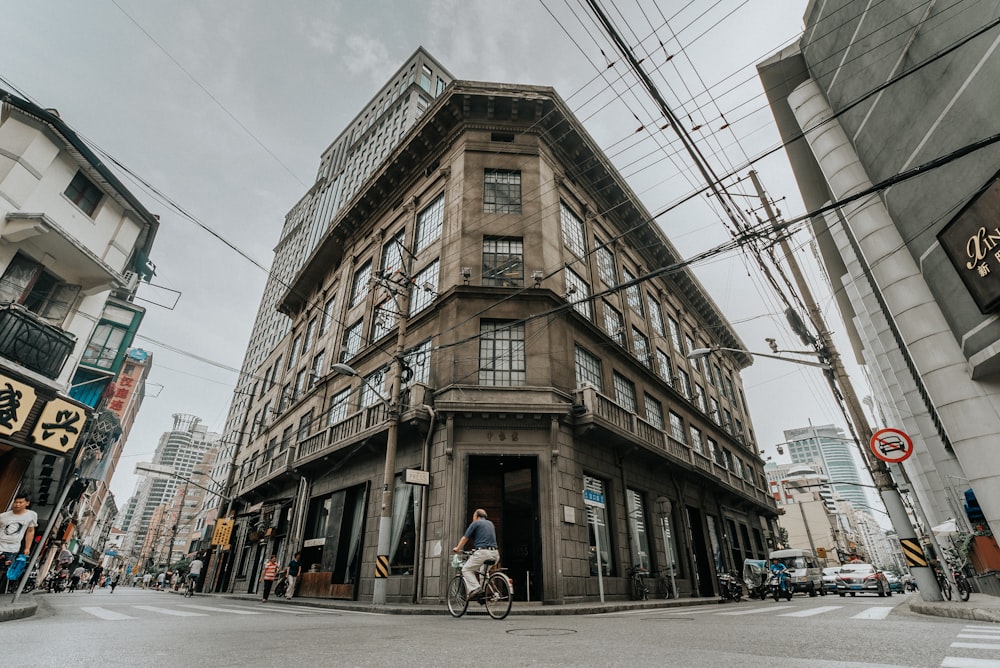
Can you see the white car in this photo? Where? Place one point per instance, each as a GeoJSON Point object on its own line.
{"type": "Point", "coordinates": [830, 578]}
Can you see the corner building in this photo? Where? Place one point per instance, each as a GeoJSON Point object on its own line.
{"type": "Point", "coordinates": [539, 360]}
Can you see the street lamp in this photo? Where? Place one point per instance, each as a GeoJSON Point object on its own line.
{"type": "Point", "coordinates": [699, 353]}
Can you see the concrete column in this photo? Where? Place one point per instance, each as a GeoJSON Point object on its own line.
{"type": "Point", "coordinates": [969, 416]}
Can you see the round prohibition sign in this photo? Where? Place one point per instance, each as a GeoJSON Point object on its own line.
{"type": "Point", "coordinates": [891, 445]}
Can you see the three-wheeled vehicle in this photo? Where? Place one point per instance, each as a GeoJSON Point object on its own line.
{"type": "Point", "coordinates": [755, 572]}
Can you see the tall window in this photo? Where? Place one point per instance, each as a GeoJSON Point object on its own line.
{"type": "Point", "coordinates": [572, 231]}
{"type": "Point", "coordinates": [624, 392]}
{"type": "Point", "coordinates": [27, 283]}
{"type": "Point", "coordinates": [716, 377]}
{"type": "Point", "coordinates": [372, 388]}
{"type": "Point", "coordinates": [307, 342]}
{"type": "Point", "coordinates": [588, 369]}
{"type": "Point", "coordinates": [632, 294]}
{"type": "Point", "coordinates": [317, 367]}
{"type": "Point", "coordinates": [502, 191]}
{"type": "Point", "coordinates": [359, 287]}
{"type": "Point", "coordinates": [655, 315]}
{"type": "Point", "coordinates": [685, 383]}
{"type": "Point", "coordinates": [699, 397]}
{"type": "Point", "coordinates": [689, 346]}
{"type": "Point", "coordinates": [637, 528]}
{"type": "Point", "coordinates": [713, 410]}
{"type": "Point", "coordinates": [338, 407]}
{"type": "Point", "coordinates": [327, 314]}
{"type": "Point", "coordinates": [606, 266]}
{"type": "Point", "coordinates": [642, 347]}
{"type": "Point", "coordinates": [392, 254]}
{"type": "Point", "coordinates": [425, 285]}
{"type": "Point", "coordinates": [503, 262]}
{"type": "Point", "coordinates": [578, 294]}
{"type": "Point", "coordinates": [696, 443]}
{"type": "Point", "coordinates": [429, 223]}
{"type": "Point", "coordinates": [501, 353]}
{"type": "Point", "coordinates": [403, 528]}
{"type": "Point", "coordinates": [677, 427]}
{"type": "Point", "coordinates": [614, 324]}
{"type": "Point", "coordinates": [84, 194]}
{"type": "Point", "coordinates": [418, 359]}
{"type": "Point", "coordinates": [597, 527]}
{"type": "Point", "coordinates": [352, 341]}
{"type": "Point", "coordinates": [293, 354]}
{"type": "Point", "coordinates": [384, 318]}
{"type": "Point", "coordinates": [675, 335]}
{"type": "Point", "coordinates": [663, 366]}
{"type": "Point", "coordinates": [654, 412]}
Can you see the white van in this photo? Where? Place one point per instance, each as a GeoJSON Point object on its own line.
{"type": "Point", "coordinates": [804, 572]}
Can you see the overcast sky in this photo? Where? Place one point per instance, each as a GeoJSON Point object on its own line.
{"type": "Point", "coordinates": [225, 107]}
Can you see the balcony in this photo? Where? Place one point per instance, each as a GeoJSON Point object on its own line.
{"type": "Point", "coordinates": [33, 343]}
{"type": "Point", "coordinates": [367, 422]}
{"type": "Point", "coordinates": [594, 409]}
{"type": "Point", "coordinates": [265, 471]}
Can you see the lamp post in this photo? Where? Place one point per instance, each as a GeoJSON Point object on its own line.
{"type": "Point", "coordinates": [699, 353]}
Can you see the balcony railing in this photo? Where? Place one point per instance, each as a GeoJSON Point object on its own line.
{"type": "Point", "coordinates": [265, 469]}
{"type": "Point", "coordinates": [33, 343]}
{"type": "Point", "coordinates": [617, 418]}
{"type": "Point", "coordinates": [367, 420]}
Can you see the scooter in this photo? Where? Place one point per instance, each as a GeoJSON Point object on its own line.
{"type": "Point", "coordinates": [777, 586]}
{"type": "Point", "coordinates": [730, 587]}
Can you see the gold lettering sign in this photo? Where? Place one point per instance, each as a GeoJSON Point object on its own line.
{"type": "Point", "coordinates": [16, 399]}
{"type": "Point", "coordinates": [59, 426]}
{"type": "Point", "coordinates": [979, 245]}
{"type": "Point", "coordinates": [223, 530]}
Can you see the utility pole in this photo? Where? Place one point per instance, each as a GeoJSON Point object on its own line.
{"type": "Point", "coordinates": [841, 385]}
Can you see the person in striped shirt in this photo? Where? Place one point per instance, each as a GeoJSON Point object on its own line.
{"type": "Point", "coordinates": [268, 576]}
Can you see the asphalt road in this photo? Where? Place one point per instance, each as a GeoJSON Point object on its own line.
{"type": "Point", "coordinates": [144, 628]}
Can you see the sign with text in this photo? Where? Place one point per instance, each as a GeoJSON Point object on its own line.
{"type": "Point", "coordinates": [971, 240]}
{"type": "Point", "coordinates": [592, 498]}
{"type": "Point", "coordinates": [416, 477]}
{"type": "Point", "coordinates": [223, 530]}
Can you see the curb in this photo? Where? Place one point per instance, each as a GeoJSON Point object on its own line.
{"type": "Point", "coordinates": [18, 611]}
{"type": "Point", "coordinates": [936, 609]}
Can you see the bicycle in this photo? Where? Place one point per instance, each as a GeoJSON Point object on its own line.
{"type": "Point", "coordinates": [189, 589]}
{"type": "Point", "coordinates": [497, 592]}
{"type": "Point", "coordinates": [943, 584]}
{"type": "Point", "coordinates": [637, 576]}
{"type": "Point", "coordinates": [662, 578]}
{"type": "Point", "coordinates": [961, 582]}
{"type": "Point", "coordinates": [281, 586]}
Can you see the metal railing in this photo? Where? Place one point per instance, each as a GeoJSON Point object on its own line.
{"type": "Point", "coordinates": [370, 418]}
{"type": "Point", "coordinates": [33, 343]}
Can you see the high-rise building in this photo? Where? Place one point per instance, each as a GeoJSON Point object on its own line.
{"type": "Point", "coordinates": [827, 446]}
{"type": "Point", "coordinates": [488, 323]}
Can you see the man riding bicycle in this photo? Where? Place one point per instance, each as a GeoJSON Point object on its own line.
{"type": "Point", "coordinates": [194, 572]}
{"type": "Point", "coordinates": [483, 536]}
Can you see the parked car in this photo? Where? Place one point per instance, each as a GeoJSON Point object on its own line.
{"type": "Point", "coordinates": [895, 584]}
{"type": "Point", "coordinates": [862, 579]}
{"type": "Point", "coordinates": [830, 578]}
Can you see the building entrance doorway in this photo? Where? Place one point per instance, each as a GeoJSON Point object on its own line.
{"type": "Point", "coordinates": [702, 566]}
{"type": "Point", "coordinates": [507, 489]}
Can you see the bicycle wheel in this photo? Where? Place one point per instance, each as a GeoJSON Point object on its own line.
{"type": "Point", "coordinates": [964, 590]}
{"type": "Point", "coordinates": [498, 596]}
{"type": "Point", "coordinates": [457, 602]}
{"type": "Point", "coordinates": [281, 588]}
{"type": "Point", "coordinates": [945, 589]}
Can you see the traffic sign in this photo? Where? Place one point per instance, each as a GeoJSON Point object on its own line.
{"type": "Point", "coordinates": [891, 445]}
{"type": "Point", "coordinates": [595, 499]}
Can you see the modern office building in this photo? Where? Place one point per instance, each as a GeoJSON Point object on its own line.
{"type": "Point", "coordinates": [493, 320]}
{"type": "Point", "coordinates": [827, 446]}
{"type": "Point", "coordinates": [869, 94]}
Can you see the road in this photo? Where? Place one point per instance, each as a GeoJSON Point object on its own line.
{"type": "Point", "coordinates": [144, 628]}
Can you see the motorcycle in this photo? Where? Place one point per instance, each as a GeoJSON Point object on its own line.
{"type": "Point", "coordinates": [755, 578]}
{"type": "Point", "coordinates": [730, 587]}
{"type": "Point", "coordinates": [777, 586]}
{"type": "Point", "coordinates": [57, 581]}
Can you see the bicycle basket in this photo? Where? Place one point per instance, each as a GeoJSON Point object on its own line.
{"type": "Point", "coordinates": [457, 561]}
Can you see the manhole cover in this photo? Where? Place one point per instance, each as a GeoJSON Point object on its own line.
{"type": "Point", "coordinates": [541, 632]}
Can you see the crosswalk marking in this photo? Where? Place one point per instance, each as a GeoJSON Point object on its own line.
{"type": "Point", "coordinates": [304, 610]}
{"type": "Point", "coordinates": [231, 612]}
{"type": "Point", "coordinates": [755, 611]}
{"type": "Point", "coordinates": [873, 613]}
{"type": "Point", "coordinates": [975, 645]}
{"type": "Point", "coordinates": [104, 613]}
{"type": "Point", "coordinates": [979, 636]}
{"type": "Point", "coordinates": [964, 662]}
{"type": "Point", "coordinates": [991, 629]}
{"type": "Point", "coordinates": [812, 611]}
{"type": "Point", "coordinates": [168, 611]}
{"type": "Point", "coordinates": [276, 608]}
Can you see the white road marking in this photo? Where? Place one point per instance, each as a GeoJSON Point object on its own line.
{"type": "Point", "coordinates": [991, 629]}
{"type": "Point", "coordinates": [963, 662]}
{"type": "Point", "coordinates": [281, 609]}
{"type": "Point", "coordinates": [320, 611]}
{"type": "Point", "coordinates": [813, 611]}
{"type": "Point", "coordinates": [975, 645]}
{"type": "Point", "coordinates": [873, 613]}
{"type": "Point", "coordinates": [758, 610]}
{"type": "Point", "coordinates": [211, 609]}
{"type": "Point", "coordinates": [168, 611]}
{"type": "Point", "coordinates": [978, 636]}
{"type": "Point", "coordinates": [104, 613]}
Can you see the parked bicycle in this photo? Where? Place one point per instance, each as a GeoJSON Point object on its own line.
{"type": "Point", "coordinates": [497, 592]}
{"type": "Point", "coordinates": [281, 586]}
{"type": "Point", "coordinates": [962, 583]}
{"type": "Point", "coordinates": [637, 582]}
{"type": "Point", "coordinates": [662, 579]}
{"type": "Point", "coordinates": [943, 583]}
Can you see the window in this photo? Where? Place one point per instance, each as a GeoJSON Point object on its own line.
{"type": "Point", "coordinates": [392, 254]}
{"type": "Point", "coordinates": [384, 319]}
{"type": "Point", "coordinates": [677, 427]}
{"type": "Point", "coordinates": [729, 390]}
{"type": "Point", "coordinates": [370, 388]}
{"type": "Point", "coordinates": [655, 315]}
{"type": "Point", "coordinates": [274, 373]}
{"type": "Point", "coordinates": [663, 366]}
{"type": "Point", "coordinates": [738, 467]}
{"type": "Point", "coordinates": [727, 420]}
{"type": "Point", "coordinates": [637, 528]}
{"type": "Point", "coordinates": [305, 424]}
{"type": "Point", "coordinates": [327, 314]}
{"type": "Point", "coordinates": [84, 194]}
{"type": "Point", "coordinates": [337, 412]}
{"type": "Point", "coordinates": [699, 397]}
{"type": "Point", "coordinates": [597, 528]}
{"type": "Point", "coordinates": [685, 383]}
{"type": "Point", "coordinates": [285, 398]}
{"type": "Point", "coordinates": [614, 324]}
{"type": "Point", "coordinates": [572, 231]}
{"type": "Point", "coordinates": [624, 392]}
{"type": "Point", "coordinates": [654, 412]}
{"type": "Point", "coordinates": [425, 286]}
{"type": "Point", "coordinates": [502, 191]}
{"type": "Point", "coordinates": [578, 294]}
{"type": "Point", "coordinates": [501, 353]}
{"type": "Point", "coordinates": [27, 283]}
{"type": "Point", "coordinates": [675, 335]}
{"type": "Point", "coordinates": [429, 223]}
{"type": "Point", "coordinates": [642, 347]}
{"type": "Point", "coordinates": [310, 336]}
{"type": "Point", "coordinates": [300, 383]}
{"type": "Point", "coordinates": [632, 294]}
{"type": "Point", "coordinates": [716, 377]}
{"type": "Point", "coordinates": [588, 369]}
{"type": "Point", "coordinates": [316, 371]}
{"type": "Point", "coordinates": [606, 266]}
{"type": "Point", "coordinates": [403, 536]}
{"type": "Point", "coordinates": [359, 287]}
{"type": "Point", "coordinates": [293, 354]}
{"type": "Point", "coordinates": [689, 346]}
{"type": "Point", "coordinates": [716, 453]}
{"type": "Point", "coordinates": [713, 410]}
{"type": "Point", "coordinates": [105, 342]}
{"type": "Point", "coordinates": [352, 341]}
{"type": "Point", "coordinates": [418, 359]}
{"type": "Point", "coordinates": [503, 262]}
{"type": "Point", "coordinates": [696, 443]}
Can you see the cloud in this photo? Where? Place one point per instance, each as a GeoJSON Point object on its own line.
{"type": "Point", "coordinates": [367, 55]}
{"type": "Point", "coordinates": [322, 35]}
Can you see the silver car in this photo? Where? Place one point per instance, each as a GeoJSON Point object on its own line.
{"type": "Point", "coordinates": [861, 579]}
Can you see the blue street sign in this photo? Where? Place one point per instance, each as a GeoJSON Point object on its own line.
{"type": "Point", "coordinates": [595, 499]}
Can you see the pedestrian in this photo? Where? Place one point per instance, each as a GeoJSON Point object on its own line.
{"type": "Point", "coordinates": [95, 577]}
{"type": "Point", "coordinates": [146, 579]}
{"type": "Point", "coordinates": [483, 536]}
{"type": "Point", "coordinates": [75, 577]}
{"type": "Point", "coordinates": [268, 576]}
{"type": "Point", "coordinates": [294, 568]}
{"type": "Point", "coordinates": [17, 531]}
{"type": "Point", "coordinates": [113, 582]}
{"type": "Point", "coordinates": [160, 579]}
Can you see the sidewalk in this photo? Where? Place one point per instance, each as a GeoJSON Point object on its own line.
{"type": "Point", "coordinates": [979, 607]}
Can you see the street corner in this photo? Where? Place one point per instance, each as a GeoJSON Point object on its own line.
{"type": "Point", "coordinates": [988, 612]}
{"type": "Point", "coordinates": [19, 610]}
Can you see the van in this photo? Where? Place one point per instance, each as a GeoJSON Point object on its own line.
{"type": "Point", "coordinates": [804, 572]}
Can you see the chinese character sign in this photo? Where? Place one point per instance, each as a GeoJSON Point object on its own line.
{"type": "Point", "coordinates": [16, 399]}
{"type": "Point", "coordinates": [223, 530]}
{"type": "Point", "coordinates": [59, 426]}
